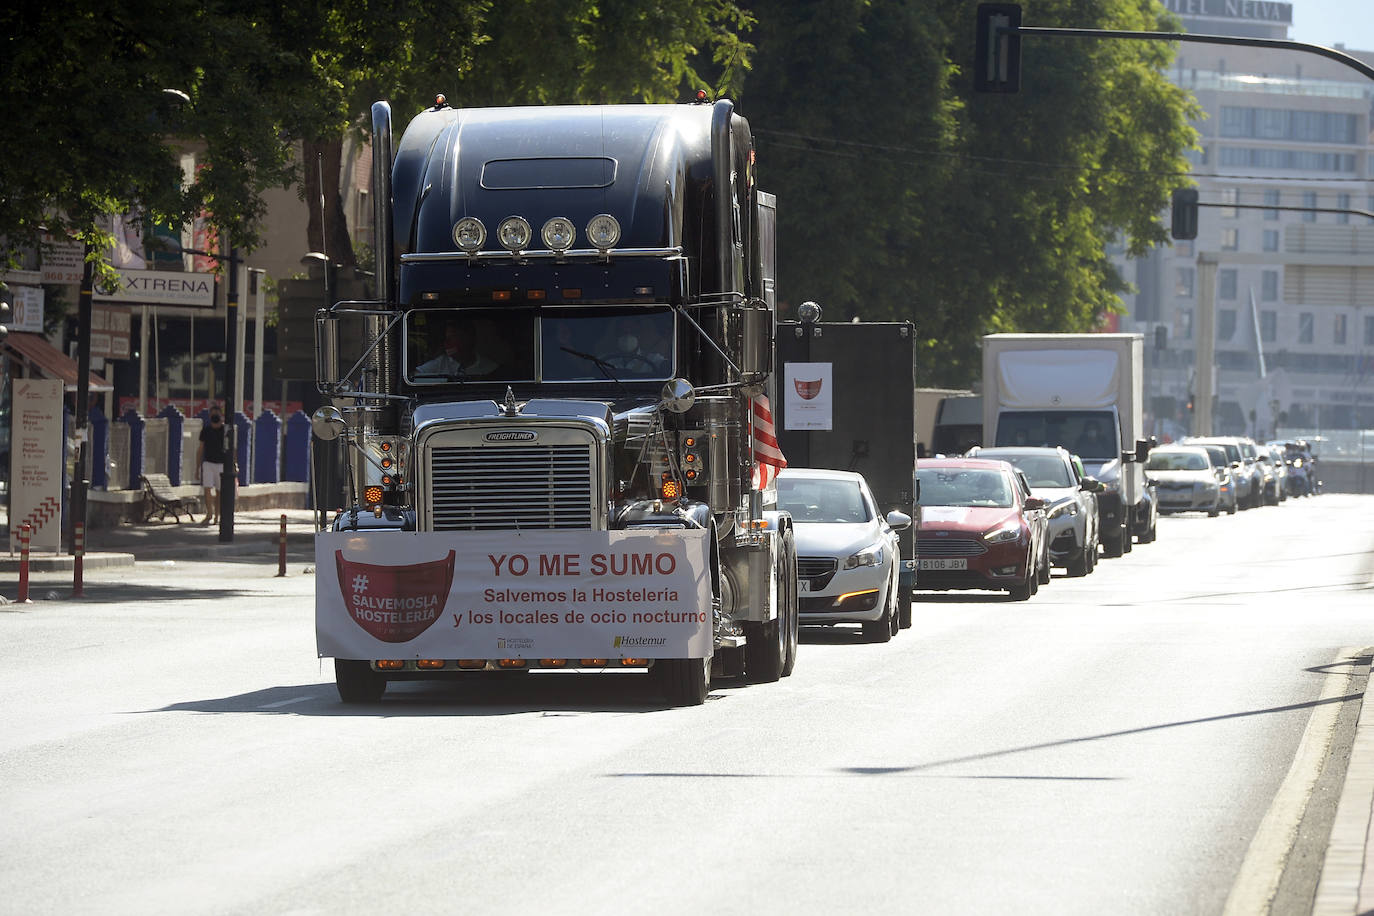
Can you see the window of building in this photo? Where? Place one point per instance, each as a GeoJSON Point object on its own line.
{"type": "Point", "coordinates": [1184, 285]}
{"type": "Point", "coordinates": [1343, 203]}
{"type": "Point", "coordinates": [1369, 330]}
{"type": "Point", "coordinates": [1271, 198]}
{"type": "Point", "coordinates": [1226, 283]}
{"type": "Point", "coordinates": [1303, 160]}
{"type": "Point", "coordinates": [1229, 198]}
{"type": "Point", "coordinates": [1309, 199]}
{"type": "Point", "coordinates": [1338, 329]}
{"type": "Point", "coordinates": [1185, 322]}
{"type": "Point", "coordinates": [1226, 324]}
{"type": "Point", "coordinates": [1183, 249]}
{"type": "Point", "coordinates": [1269, 326]}
{"type": "Point", "coordinates": [1269, 285]}
{"type": "Point", "coordinates": [1306, 327]}
{"type": "Point", "coordinates": [1230, 239]}
{"type": "Point", "coordinates": [1271, 240]}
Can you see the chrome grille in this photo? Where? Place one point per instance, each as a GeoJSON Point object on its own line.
{"type": "Point", "coordinates": [510, 487]}
{"type": "Point", "coordinates": [929, 547]}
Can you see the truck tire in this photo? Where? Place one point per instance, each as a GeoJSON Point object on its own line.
{"type": "Point", "coordinates": [684, 681]}
{"type": "Point", "coordinates": [357, 682]}
{"type": "Point", "coordinates": [765, 653]}
{"type": "Point", "coordinates": [794, 612]}
{"type": "Point", "coordinates": [1112, 547]}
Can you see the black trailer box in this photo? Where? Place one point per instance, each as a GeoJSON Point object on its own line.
{"type": "Point", "coordinates": [870, 368]}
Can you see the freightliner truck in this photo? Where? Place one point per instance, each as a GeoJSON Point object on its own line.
{"type": "Point", "coordinates": [556, 413]}
{"type": "Point", "coordinates": [1084, 392]}
{"type": "Point", "coordinates": [870, 368]}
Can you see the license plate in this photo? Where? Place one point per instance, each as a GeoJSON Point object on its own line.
{"type": "Point", "coordinates": [804, 585]}
{"type": "Point", "coordinates": [945, 563]}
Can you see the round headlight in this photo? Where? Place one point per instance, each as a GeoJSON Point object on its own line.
{"type": "Point", "coordinates": [514, 233]}
{"type": "Point", "coordinates": [603, 231]}
{"type": "Point", "coordinates": [558, 234]}
{"type": "Point", "coordinates": [469, 233]}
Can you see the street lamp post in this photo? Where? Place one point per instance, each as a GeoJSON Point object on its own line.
{"type": "Point", "coordinates": [81, 479]}
{"type": "Point", "coordinates": [229, 479]}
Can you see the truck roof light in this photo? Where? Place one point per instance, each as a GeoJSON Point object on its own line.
{"type": "Point", "coordinates": [535, 294]}
{"type": "Point", "coordinates": [634, 662]}
{"type": "Point", "coordinates": [514, 233]}
{"type": "Point", "coordinates": [471, 664]}
{"type": "Point", "coordinates": [510, 662]}
{"type": "Point", "coordinates": [469, 234]}
{"type": "Point", "coordinates": [500, 295]}
{"type": "Point", "coordinates": [572, 292]}
{"type": "Point", "coordinates": [594, 662]}
{"type": "Point", "coordinates": [391, 664]}
{"type": "Point", "coordinates": [429, 663]}
{"type": "Point", "coordinates": [554, 662]}
{"type": "Point", "coordinates": [558, 234]}
{"type": "Point", "coordinates": [603, 231]}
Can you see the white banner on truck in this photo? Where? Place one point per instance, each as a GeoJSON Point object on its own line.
{"type": "Point", "coordinates": [510, 594]}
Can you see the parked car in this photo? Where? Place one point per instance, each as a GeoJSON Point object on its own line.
{"type": "Point", "coordinates": [1226, 478]}
{"type": "Point", "coordinates": [848, 555]}
{"type": "Point", "coordinates": [1185, 479]}
{"type": "Point", "coordinates": [1249, 479]}
{"type": "Point", "coordinates": [1070, 502]}
{"type": "Point", "coordinates": [978, 528]}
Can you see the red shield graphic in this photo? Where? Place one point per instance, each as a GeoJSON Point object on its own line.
{"type": "Point", "coordinates": [807, 390]}
{"type": "Point", "coordinates": [395, 603]}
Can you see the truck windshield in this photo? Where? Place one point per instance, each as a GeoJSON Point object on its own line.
{"type": "Point", "coordinates": [490, 345]}
{"type": "Point", "coordinates": [595, 344]}
{"type": "Point", "coordinates": [1090, 434]}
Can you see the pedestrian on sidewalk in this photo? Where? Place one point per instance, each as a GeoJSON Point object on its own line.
{"type": "Point", "coordinates": [210, 457]}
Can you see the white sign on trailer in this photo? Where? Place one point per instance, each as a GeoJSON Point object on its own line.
{"type": "Point", "coordinates": [511, 594]}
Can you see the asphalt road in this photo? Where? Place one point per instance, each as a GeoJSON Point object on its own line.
{"type": "Point", "coordinates": [1115, 744]}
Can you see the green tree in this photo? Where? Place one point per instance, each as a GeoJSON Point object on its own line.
{"type": "Point", "coordinates": [905, 195]}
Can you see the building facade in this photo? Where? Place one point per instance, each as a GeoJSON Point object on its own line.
{"type": "Point", "coordinates": [1285, 158]}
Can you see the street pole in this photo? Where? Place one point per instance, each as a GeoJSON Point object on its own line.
{"type": "Point", "coordinates": [259, 289]}
{"type": "Point", "coordinates": [1205, 324]}
{"type": "Point", "coordinates": [229, 479]}
{"type": "Point", "coordinates": [81, 481]}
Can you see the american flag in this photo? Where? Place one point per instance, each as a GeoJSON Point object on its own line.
{"type": "Point", "coordinates": [768, 459]}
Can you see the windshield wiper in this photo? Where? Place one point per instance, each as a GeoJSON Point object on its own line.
{"type": "Point", "coordinates": [606, 368]}
{"type": "Point", "coordinates": [445, 376]}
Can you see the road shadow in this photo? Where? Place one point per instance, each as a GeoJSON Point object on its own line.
{"type": "Point", "coordinates": [923, 769]}
{"type": "Point", "coordinates": [121, 592]}
{"type": "Point", "coordinates": [477, 695]}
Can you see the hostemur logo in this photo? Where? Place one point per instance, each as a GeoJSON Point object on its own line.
{"type": "Point", "coordinates": [633, 642]}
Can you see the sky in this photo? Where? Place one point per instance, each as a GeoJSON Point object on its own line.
{"type": "Point", "coordinates": [1326, 22]}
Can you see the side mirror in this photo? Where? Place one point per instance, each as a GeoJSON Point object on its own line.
{"type": "Point", "coordinates": [327, 423]}
{"type": "Point", "coordinates": [677, 396]}
{"type": "Point", "coordinates": [898, 521]}
{"type": "Point", "coordinates": [1034, 502]}
{"type": "Point", "coordinates": [1093, 485]}
{"type": "Point", "coordinates": [326, 349]}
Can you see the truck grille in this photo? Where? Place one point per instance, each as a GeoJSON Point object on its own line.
{"type": "Point", "coordinates": [510, 487]}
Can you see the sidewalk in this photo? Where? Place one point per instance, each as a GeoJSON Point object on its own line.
{"type": "Point", "coordinates": [255, 532]}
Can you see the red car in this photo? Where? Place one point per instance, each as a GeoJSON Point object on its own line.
{"type": "Point", "coordinates": [979, 527]}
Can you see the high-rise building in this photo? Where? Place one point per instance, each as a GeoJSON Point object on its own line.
{"type": "Point", "coordinates": [1294, 297]}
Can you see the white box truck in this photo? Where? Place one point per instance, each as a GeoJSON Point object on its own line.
{"type": "Point", "coordinates": [1084, 392]}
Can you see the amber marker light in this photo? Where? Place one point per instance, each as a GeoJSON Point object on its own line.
{"type": "Point", "coordinates": [500, 295]}
{"type": "Point", "coordinates": [511, 663]}
{"type": "Point", "coordinates": [535, 294]}
{"type": "Point", "coordinates": [634, 662]}
{"type": "Point", "coordinates": [554, 662]}
{"type": "Point", "coordinates": [594, 662]}
{"type": "Point", "coordinates": [671, 489]}
{"type": "Point", "coordinates": [471, 664]}
{"type": "Point", "coordinates": [429, 663]}
{"type": "Point", "coordinates": [572, 292]}
{"type": "Point", "coordinates": [372, 495]}
{"type": "Point", "coordinates": [391, 664]}
{"type": "Point", "coordinates": [847, 595]}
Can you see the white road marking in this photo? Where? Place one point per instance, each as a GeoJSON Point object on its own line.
{"type": "Point", "coordinates": [1258, 878]}
{"type": "Point", "coordinates": [281, 703]}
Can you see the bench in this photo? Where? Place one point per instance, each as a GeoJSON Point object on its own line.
{"type": "Point", "coordinates": [161, 500]}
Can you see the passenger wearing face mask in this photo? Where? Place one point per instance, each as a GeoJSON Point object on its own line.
{"type": "Point", "coordinates": [638, 348]}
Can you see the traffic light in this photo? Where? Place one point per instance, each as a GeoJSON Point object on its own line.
{"type": "Point", "coordinates": [997, 48]}
{"type": "Point", "coordinates": [1184, 213]}
{"type": "Point", "coordinates": [5, 311]}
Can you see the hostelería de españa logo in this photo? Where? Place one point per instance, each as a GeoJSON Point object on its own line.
{"type": "Point", "coordinates": [395, 603]}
